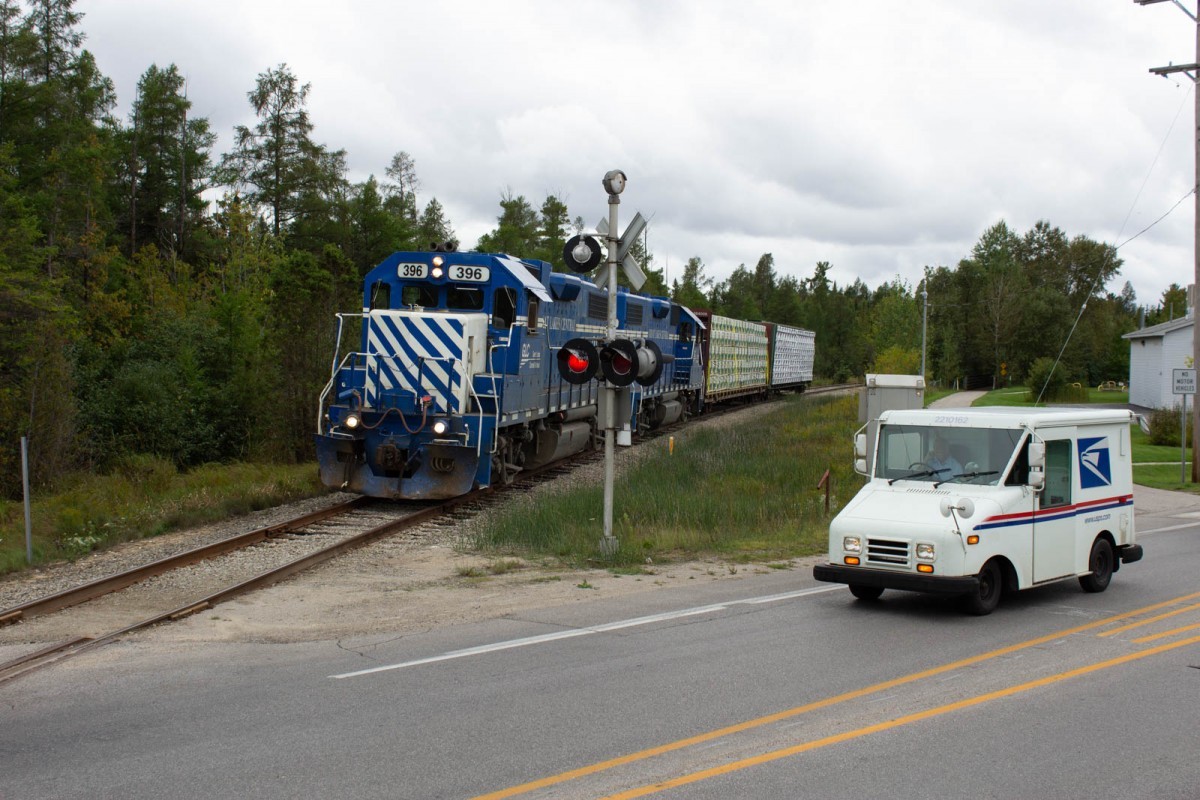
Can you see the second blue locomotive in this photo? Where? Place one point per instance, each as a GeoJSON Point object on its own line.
{"type": "Point", "coordinates": [454, 383]}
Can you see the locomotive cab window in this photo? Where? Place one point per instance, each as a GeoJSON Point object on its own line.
{"type": "Point", "coordinates": [381, 295]}
{"type": "Point", "coordinates": [533, 314]}
{"type": "Point", "coordinates": [504, 307]}
{"type": "Point", "coordinates": [419, 296]}
{"type": "Point", "coordinates": [464, 298]}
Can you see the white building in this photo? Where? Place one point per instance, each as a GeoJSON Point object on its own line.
{"type": "Point", "coordinates": [1153, 353]}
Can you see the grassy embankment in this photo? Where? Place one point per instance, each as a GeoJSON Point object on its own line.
{"type": "Point", "coordinates": [745, 492]}
{"type": "Point", "coordinates": [1156, 466]}
{"type": "Point", "coordinates": [145, 498]}
{"type": "Point", "coordinates": [748, 491]}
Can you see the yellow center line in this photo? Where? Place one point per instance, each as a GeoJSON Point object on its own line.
{"type": "Point", "coordinates": [1165, 634]}
{"type": "Point", "coordinates": [592, 769]}
{"type": "Point", "coordinates": [775, 755]}
{"type": "Point", "coordinates": [1148, 621]}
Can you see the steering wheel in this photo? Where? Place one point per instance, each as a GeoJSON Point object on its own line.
{"type": "Point", "coordinates": [924, 464]}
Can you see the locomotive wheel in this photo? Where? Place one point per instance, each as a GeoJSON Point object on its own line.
{"type": "Point", "coordinates": [500, 471]}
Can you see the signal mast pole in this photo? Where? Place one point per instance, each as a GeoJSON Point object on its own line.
{"type": "Point", "coordinates": [621, 361]}
{"type": "Point", "coordinates": [614, 184]}
{"type": "Point", "coordinates": [1193, 72]}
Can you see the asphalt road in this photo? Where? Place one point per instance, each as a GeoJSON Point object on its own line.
{"type": "Point", "coordinates": [777, 688]}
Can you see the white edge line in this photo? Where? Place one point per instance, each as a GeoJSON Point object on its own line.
{"type": "Point", "coordinates": [1169, 528]}
{"type": "Point", "coordinates": [569, 634]}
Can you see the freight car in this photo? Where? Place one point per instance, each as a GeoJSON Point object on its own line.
{"type": "Point", "coordinates": [455, 381]}
{"type": "Point", "coordinates": [746, 359]}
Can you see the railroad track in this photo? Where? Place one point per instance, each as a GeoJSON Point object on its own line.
{"type": "Point", "coordinates": [299, 544]}
{"type": "Point", "coordinates": [308, 540]}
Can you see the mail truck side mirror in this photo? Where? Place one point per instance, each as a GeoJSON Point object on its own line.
{"type": "Point", "coordinates": [1037, 465]}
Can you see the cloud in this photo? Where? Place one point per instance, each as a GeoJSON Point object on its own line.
{"type": "Point", "coordinates": [878, 136]}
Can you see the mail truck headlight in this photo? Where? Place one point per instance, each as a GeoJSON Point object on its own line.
{"type": "Point", "coordinates": [852, 544]}
{"type": "Point", "coordinates": [925, 551]}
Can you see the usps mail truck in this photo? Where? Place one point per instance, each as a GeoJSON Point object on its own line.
{"type": "Point", "coordinates": [979, 501]}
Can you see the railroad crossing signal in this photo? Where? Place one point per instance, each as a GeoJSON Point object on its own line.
{"type": "Point", "coordinates": [578, 361]}
{"type": "Point", "coordinates": [621, 362]}
{"type": "Point", "coordinates": [628, 263]}
{"type": "Point", "coordinates": [582, 253]}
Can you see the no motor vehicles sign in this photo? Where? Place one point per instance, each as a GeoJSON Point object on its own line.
{"type": "Point", "coordinates": [1184, 381]}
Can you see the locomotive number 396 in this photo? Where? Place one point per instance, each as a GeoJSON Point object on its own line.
{"type": "Point", "coordinates": [412, 271]}
{"type": "Point", "coordinates": [460, 272]}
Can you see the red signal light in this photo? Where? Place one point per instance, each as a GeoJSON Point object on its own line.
{"type": "Point", "coordinates": [620, 364]}
{"type": "Point", "coordinates": [578, 361]}
{"type": "Point", "coordinates": [617, 359]}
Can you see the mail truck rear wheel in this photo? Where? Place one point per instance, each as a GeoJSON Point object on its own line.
{"type": "Point", "coordinates": [984, 601]}
{"type": "Point", "coordinates": [1101, 564]}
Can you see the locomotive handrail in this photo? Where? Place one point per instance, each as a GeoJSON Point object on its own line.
{"type": "Point", "coordinates": [491, 365]}
{"type": "Point", "coordinates": [337, 367]}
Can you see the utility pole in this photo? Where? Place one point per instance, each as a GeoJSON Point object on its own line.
{"type": "Point", "coordinates": [924, 320]}
{"type": "Point", "coordinates": [1192, 71]}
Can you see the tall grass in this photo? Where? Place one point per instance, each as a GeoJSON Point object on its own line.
{"type": "Point", "coordinates": [144, 497]}
{"type": "Point", "coordinates": [745, 491]}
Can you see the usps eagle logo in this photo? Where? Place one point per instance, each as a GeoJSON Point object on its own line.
{"type": "Point", "coordinates": [1094, 467]}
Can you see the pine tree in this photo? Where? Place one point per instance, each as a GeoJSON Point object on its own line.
{"type": "Point", "coordinates": [165, 161]}
{"type": "Point", "coordinates": [276, 165]}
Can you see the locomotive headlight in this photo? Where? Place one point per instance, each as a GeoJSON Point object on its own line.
{"type": "Point", "coordinates": [440, 427]}
{"type": "Point", "coordinates": [352, 421]}
{"type": "Point", "coordinates": [852, 544]}
{"type": "Point", "coordinates": [925, 551]}
{"type": "Point", "coordinates": [437, 271]}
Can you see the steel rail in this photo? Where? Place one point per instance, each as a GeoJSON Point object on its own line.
{"type": "Point", "coordinates": [55, 653]}
{"type": "Point", "coordinates": [121, 580]}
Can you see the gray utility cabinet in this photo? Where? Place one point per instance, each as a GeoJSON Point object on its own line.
{"type": "Point", "coordinates": [886, 393]}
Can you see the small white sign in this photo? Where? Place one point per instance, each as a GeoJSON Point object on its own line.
{"type": "Point", "coordinates": [1184, 381]}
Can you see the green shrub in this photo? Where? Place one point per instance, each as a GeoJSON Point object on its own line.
{"type": "Point", "coordinates": [1164, 427]}
{"type": "Point", "coordinates": [1052, 385]}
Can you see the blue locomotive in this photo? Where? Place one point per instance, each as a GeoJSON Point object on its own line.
{"type": "Point", "coordinates": [455, 382]}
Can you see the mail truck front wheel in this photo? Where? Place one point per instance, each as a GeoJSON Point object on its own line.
{"type": "Point", "coordinates": [985, 600]}
{"type": "Point", "coordinates": [865, 592]}
{"type": "Point", "coordinates": [1100, 562]}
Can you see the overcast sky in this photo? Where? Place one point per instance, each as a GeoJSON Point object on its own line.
{"type": "Point", "coordinates": [880, 136]}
